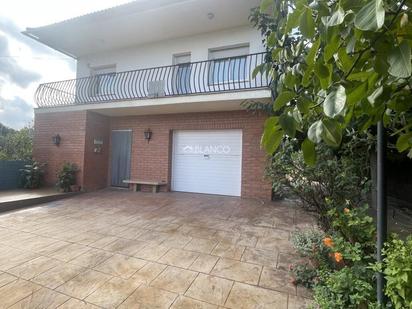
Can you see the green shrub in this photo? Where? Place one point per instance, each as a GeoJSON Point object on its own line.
{"type": "Point", "coordinates": [309, 244]}
{"type": "Point", "coordinates": [347, 288]}
{"type": "Point", "coordinates": [305, 275]}
{"type": "Point", "coordinates": [67, 176]}
{"type": "Point", "coordinates": [341, 176]}
{"type": "Point", "coordinates": [340, 271]}
{"type": "Point", "coordinates": [306, 242]}
{"type": "Point", "coordinates": [354, 225]}
{"type": "Point", "coordinates": [351, 253]}
{"type": "Point", "coordinates": [32, 175]}
{"type": "Point", "coordinates": [398, 272]}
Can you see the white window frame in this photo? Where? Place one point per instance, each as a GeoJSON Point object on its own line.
{"type": "Point", "coordinates": [179, 65]}
{"type": "Point", "coordinates": [102, 75]}
{"type": "Point", "coordinates": [239, 51]}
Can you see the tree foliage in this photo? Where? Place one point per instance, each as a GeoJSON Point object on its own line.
{"type": "Point", "coordinates": [16, 145]}
{"type": "Point", "coordinates": [336, 65]}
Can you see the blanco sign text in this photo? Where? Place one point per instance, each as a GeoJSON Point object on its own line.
{"type": "Point", "coordinates": [207, 149]}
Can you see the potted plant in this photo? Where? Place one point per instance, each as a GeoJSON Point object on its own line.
{"type": "Point", "coordinates": [32, 175]}
{"type": "Point", "coordinates": [67, 178]}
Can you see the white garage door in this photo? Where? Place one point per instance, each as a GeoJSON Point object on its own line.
{"type": "Point", "coordinates": [207, 161]}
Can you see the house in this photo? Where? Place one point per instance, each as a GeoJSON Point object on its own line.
{"type": "Point", "coordinates": [158, 96]}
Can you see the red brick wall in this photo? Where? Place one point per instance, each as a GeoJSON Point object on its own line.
{"type": "Point", "coordinates": [149, 160]}
{"type": "Point", "coordinates": [71, 127]}
{"type": "Point", "coordinates": [96, 163]}
{"type": "Point", "coordinates": [152, 161]}
{"type": "Point", "coordinates": [77, 131]}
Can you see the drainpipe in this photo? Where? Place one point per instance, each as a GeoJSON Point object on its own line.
{"type": "Point", "coordinates": [381, 200]}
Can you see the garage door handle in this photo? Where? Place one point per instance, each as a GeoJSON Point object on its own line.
{"type": "Point", "coordinates": [206, 156]}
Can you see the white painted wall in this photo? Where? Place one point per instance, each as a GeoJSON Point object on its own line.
{"type": "Point", "coordinates": [161, 53]}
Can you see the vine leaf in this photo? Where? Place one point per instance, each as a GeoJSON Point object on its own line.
{"type": "Point", "coordinates": [404, 142]}
{"type": "Point", "coordinates": [310, 58]}
{"type": "Point", "coordinates": [357, 94]}
{"type": "Point", "coordinates": [336, 19]}
{"type": "Point", "coordinates": [272, 135]}
{"type": "Point", "coordinates": [309, 153]}
{"type": "Point", "coordinates": [370, 17]}
{"type": "Point", "coordinates": [282, 99]}
{"type": "Point", "coordinates": [400, 61]}
{"type": "Point", "coordinates": [288, 124]}
{"type": "Point", "coordinates": [307, 24]}
{"type": "Point", "coordinates": [332, 132]}
{"type": "Point", "coordinates": [335, 102]}
{"type": "Point", "coordinates": [315, 132]}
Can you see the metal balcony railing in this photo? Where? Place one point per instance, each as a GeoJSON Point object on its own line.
{"type": "Point", "coordinates": [211, 76]}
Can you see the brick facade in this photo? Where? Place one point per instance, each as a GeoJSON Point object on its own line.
{"type": "Point", "coordinates": [96, 165]}
{"type": "Point", "coordinates": [151, 160]}
{"type": "Point", "coordinates": [71, 126]}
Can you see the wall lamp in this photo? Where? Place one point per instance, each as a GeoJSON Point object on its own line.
{"type": "Point", "coordinates": [56, 139]}
{"type": "Point", "coordinates": [147, 135]}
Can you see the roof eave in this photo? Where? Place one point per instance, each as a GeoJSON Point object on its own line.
{"type": "Point", "coordinates": [31, 35]}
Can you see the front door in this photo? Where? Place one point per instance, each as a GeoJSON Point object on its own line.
{"type": "Point", "coordinates": [121, 154]}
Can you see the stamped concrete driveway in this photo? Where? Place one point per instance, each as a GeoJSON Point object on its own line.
{"type": "Point", "coordinates": [121, 249]}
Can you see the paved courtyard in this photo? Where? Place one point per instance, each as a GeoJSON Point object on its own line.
{"type": "Point", "coordinates": [121, 249]}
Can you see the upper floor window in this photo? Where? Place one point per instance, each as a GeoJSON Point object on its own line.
{"type": "Point", "coordinates": [229, 64]}
{"type": "Point", "coordinates": [104, 77]}
{"type": "Point", "coordinates": [182, 72]}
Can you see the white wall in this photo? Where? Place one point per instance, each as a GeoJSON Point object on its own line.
{"type": "Point", "coordinates": [161, 53]}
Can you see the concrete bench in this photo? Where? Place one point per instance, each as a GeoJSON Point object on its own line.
{"type": "Point", "coordinates": [137, 184]}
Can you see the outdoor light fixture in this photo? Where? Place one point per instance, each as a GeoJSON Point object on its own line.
{"type": "Point", "coordinates": [210, 15]}
{"type": "Point", "coordinates": [147, 134]}
{"type": "Point", "coordinates": [56, 139]}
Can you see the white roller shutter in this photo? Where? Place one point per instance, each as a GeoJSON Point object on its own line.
{"type": "Point", "coordinates": [207, 161]}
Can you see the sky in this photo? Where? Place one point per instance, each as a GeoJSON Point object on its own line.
{"type": "Point", "coordinates": [25, 63]}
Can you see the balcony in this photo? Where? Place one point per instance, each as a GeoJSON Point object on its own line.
{"type": "Point", "coordinates": [212, 76]}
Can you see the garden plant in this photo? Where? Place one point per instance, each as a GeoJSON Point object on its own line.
{"type": "Point", "coordinates": [338, 68]}
{"type": "Point", "coordinates": [32, 175]}
{"type": "Point", "coordinates": [66, 176]}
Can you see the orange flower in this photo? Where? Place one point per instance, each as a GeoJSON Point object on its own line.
{"type": "Point", "coordinates": [328, 242]}
{"type": "Point", "coordinates": [338, 257]}
{"type": "Point", "coordinates": [346, 210]}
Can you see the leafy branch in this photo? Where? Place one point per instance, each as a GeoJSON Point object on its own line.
{"type": "Point", "coordinates": [337, 67]}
